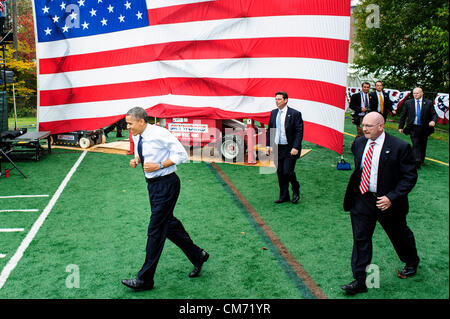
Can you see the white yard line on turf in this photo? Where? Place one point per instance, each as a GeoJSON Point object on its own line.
{"type": "Point", "coordinates": [18, 210]}
{"type": "Point", "coordinates": [10, 230]}
{"type": "Point", "coordinates": [21, 196]}
{"type": "Point", "coordinates": [12, 263]}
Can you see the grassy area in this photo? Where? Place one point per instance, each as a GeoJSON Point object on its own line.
{"type": "Point", "coordinates": [441, 131]}
{"type": "Point", "coordinates": [22, 122]}
{"type": "Point", "coordinates": [318, 232]}
{"type": "Point", "coordinates": [102, 230]}
{"type": "Point", "coordinates": [99, 224]}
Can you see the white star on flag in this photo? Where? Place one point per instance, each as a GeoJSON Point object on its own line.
{"type": "Point", "coordinates": [73, 15]}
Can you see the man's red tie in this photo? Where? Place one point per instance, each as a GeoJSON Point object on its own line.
{"type": "Point", "coordinates": [365, 177]}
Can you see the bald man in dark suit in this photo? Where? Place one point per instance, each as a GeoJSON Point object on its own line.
{"type": "Point", "coordinates": [378, 189]}
{"type": "Point", "coordinates": [418, 127]}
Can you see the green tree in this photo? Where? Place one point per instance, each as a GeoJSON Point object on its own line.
{"type": "Point", "coordinates": [409, 45]}
{"type": "Point", "coordinates": [24, 67]}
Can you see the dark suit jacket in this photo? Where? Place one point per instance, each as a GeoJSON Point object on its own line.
{"type": "Point", "coordinates": [427, 114]}
{"type": "Point", "coordinates": [386, 100]}
{"type": "Point", "coordinates": [397, 173]}
{"type": "Point", "coordinates": [356, 104]}
{"type": "Point", "coordinates": [293, 127]}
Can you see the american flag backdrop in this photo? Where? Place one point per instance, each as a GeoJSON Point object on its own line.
{"type": "Point", "coordinates": [221, 59]}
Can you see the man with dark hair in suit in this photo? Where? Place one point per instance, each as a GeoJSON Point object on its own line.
{"type": "Point", "coordinates": [380, 101]}
{"type": "Point", "coordinates": [378, 189]}
{"type": "Point", "coordinates": [420, 118]}
{"type": "Point", "coordinates": [360, 104]}
{"type": "Point", "coordinates": [286, 130]}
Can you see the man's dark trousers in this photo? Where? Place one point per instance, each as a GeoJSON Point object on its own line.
{"type": "Point", "coordinates": [163, 193]}
{"type": "Point", "coordinates": [286, 171]}
{"type": "Point", "coordinates": [364, 216]}
{"type": "Point", "coordinates": [419, 139]}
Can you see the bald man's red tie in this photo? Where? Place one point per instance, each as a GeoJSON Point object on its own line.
{"type": "Point", "coordinates": [365, 177]}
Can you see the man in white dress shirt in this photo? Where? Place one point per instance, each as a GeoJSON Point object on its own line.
{"type": "Point", "coordinates": [158, 151]}
{"type": "Point", "coordinates": [285, 133]}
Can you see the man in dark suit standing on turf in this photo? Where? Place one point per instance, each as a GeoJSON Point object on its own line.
{"type": "Point", "coordinates": [286, 131]}
{"type": "Point", "coordinates": [380, 101]}
{"type": "Point", "coordinates": [360, 104]}
{"type": "Point", "coordinates": [158, 151]}
{"type": "Point", "coordinates": [378, 189]}
{"type": "Point", "coordinates": [420, 118]}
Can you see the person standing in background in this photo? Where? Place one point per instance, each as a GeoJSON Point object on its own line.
{"type": "Point", "coordinates": [287, 125]}
{"type": "Point", "coordinates": [418, 120]}
{"type": "Point", "coordinates": [380, 101]}
{"type": "Point", "coordinates": [360, 104]}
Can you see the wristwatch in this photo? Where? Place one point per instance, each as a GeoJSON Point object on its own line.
{"type": "Point", "coordinates": [161, 166]}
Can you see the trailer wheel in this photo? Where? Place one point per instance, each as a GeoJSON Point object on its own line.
{"type": "Point", "coordinates": [85, 142]}
{"type": "Point", "coordinates": [232, 148]}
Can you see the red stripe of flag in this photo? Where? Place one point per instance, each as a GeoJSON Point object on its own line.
{"type": "Point", "coordinates": [313, 132]}
{"type": "Point", "coordinates": [228, 9]}
{"type": "Point", "coordinates": [317, 48]}
{"type": "Point", "coordinates": [311, 90]}
{"type": "Point", "coordinates": [323, 135]}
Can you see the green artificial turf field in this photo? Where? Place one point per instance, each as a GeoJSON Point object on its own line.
{"type": "Point", "coordinates": [96, 231]}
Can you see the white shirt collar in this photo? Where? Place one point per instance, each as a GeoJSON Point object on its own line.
{"type": "Point", "coordinates": [284, 109]}
{"type": "Point", "coordinates": [146, 131]}
{"type": "Point", "coordinates": [379, 140]}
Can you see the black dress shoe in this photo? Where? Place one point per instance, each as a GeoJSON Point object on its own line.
{"type": "Point", "coordinates": [138, 284]}
{"type": "Point", "coordinates": [280, 200]}
{"type": "Point", "coordinates": [354, 288]}
{"type": "Point", "coordinates": [408, 271]}
{"type": "Point", "coordinates": [196, 271]}
{"type": "Point", "coordinates": [295, 198]}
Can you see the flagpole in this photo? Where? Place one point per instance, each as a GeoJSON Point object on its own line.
{"type": "Point", "coordinates": [15, 109]}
